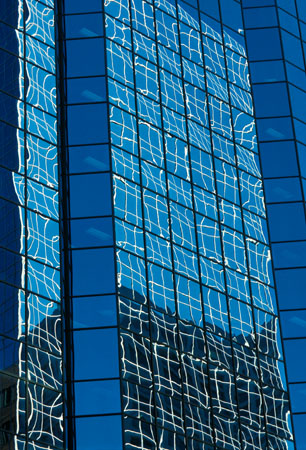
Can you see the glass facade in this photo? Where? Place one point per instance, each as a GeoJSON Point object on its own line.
{"type": "Point", "coordinates": [172, 280]}
{"type": "Point", "coordinates": [279, 89]}
{"type": "Point", "coordinates": [31, 385]}
{"type": "Point", "coordinates": [152, 200]}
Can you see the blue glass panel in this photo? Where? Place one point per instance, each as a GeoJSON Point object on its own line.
{"type": "Point", "coordinates": [298, 397]}
{"type": "Point", "coordinates": [287, 221]}
{"type": "Point", "coordinates": [93, 271]}
{"type": "Point", "coordinates": [293, 323]}
{"type": "Point", "coordinates": [271, 100]}
{"type": "Point", "coordinates": [299, 421]}
{"type": "Point", "coordinates": [292, 49]}
{"type": "Point", "coordinates": [90, 429]}
{"type": "Point", "coordinates": [78, 6]}
{"type": "Point", "coordinates": [260, 17]}
{"type": "Point", "coordinates": [264, 44]}
{"type": "Point", "coordinates": [93, 158]}
{"type": "Point", "coordinates": [291, 288]}
{"type": "Point", "coordinates": [279, 159]}
{"type": "Point", "coordinates": [296, 366]}
{"type": "Point", "coordinates": [288, 22]}
{"type": "Point", "coordinates": [90, 186]}
{"type": "Point", "coordinates": [83, 49]}
{"type": "Point", "coordinates": [295, 75]}
{"type": "Point", "coordinates": [84, 25]}
{"type": "Point", "coordinates": [283, 190]}
{"type": "Point", "coordinates": [291, 254]}
{"type": "Point", "coordinates": [86, 124]}
{"type": "Point", "coordinates": [274, 129]}
{"type": "Point", "coordinates": [91, 232]}
{"type": "Point", "coordinates": [94, 311]}
{"type": "Point", "coordinates": [301, 9]}
{"type": "Point", "coordinates": [161, 288]}
{"type": "Point", "coordinates": [96, 354]}
{"type": "Point", "coordinates": [210, 8]}
{"type": "Point", "coordinates": [97, 397]}
{"type": "Point", "coordinates": [84, 90]}
{"type": "Point", "coordinates": [231, 14]}
{"type": "Point", "coordinates": [267, 71]}
{"type": "Point", "coordinates": [298, 99]}
{"type": "Point", "coordinates": [118, 9]}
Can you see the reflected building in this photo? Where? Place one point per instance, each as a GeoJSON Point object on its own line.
{"type": "Point", "coordinates": [152, 243]}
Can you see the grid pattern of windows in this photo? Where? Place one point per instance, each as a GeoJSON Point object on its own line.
{"type": "Point", "coordinates": [31, 403]}
{"type": "Point", "coordinates": [200, 352]}
{"type": "Point", "coordinates": [279, 90]}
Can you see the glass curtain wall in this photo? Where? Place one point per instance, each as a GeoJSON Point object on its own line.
{"type": "Point", "coordinates": [276, 39]}
{"type": "Point", "coordinates": [31, 400]}
{"type": "Point", "coordinates": [174, 321]}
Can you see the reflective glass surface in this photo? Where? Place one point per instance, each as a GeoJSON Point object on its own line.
{"type": "Point", "coordinates": [177, 223]}
{"type": "Point", "coordinates": [281, 82]}
{"type": "Point", "coordinates": [31, 371]}
{"type": "Point", "coordinates": [175, 114]}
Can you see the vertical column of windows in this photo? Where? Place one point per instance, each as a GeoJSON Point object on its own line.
{"type": "Point", "coordinates": [93, 332]}
{"type": "Point", "coordinates": [282, 155]}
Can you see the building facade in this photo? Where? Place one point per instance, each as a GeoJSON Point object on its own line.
{"type": "Point", "coordinates": [152, 201]}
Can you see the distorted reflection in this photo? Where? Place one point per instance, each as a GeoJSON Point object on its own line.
{"type": "Point", "coordinates": [200, 332]}
{"type": "Point", "coordinates": [31, 355]}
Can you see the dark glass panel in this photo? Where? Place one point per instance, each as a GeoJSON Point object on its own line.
{"type": "Point", "coordinates": [298, 397]}
{"type": "Point", "coordinates": [293, 323]}
{"type": "Point", "coordinates": [90, 195]}
{"type": "Point", "coordinates": [95, 354]}
{"type": "Point", "coordinates": [267, 71]}
{"type": "Point", "coordinates": [87, 124]}
{"type": "Point", "coordinates": [91, 232]}
{"type": "Point", "coordinates": [279, 159]}
{"type": "Point", "coordinates": [299, 421]}
{"type": "Point", "coordinates": [260, 17]}
{"type": "Point", "coordinates": [291, 288]}
{"type": "Point", "coordinates": [79, 6]}
{"type": "Point", "coordinates": [93, 271]}
{"type": "Point", "coordinates": [274, 129]}
{"type": "Point", "coordinates": [283, 190]}
{"type": "Point", "coordinates": [90, 52]}
{"type": "Point", "coordinates": [264, 44]}
{"type": "Point", "coordinates": [89, 158]}
{"type": "Point", "coordinates": [271, 100]}
{"type": "Point", "coordinates": [97, 311]}
{"type": "Point", "coordinates": [210, 8]}
{"type": "Point", "coordinates": [84, 25]}
{"type": "Point", "coordinates": [287, 222]}
{"type": "Point", "coordinates": [89, 432]}
{"type": "Point", "coordinates": [296, 364]}
{"type": "Point", "coordinates": [9, 355]}
{"type": "Point", "coordinates": [97, 397]}
{"type": "Point", "coordinates": [291, 254]}
{"type": "Point", "coordinates": [86, 90]}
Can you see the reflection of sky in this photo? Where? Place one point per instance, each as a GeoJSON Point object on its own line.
{"type": "Point", "coordinates": [242, 187]}
{"type": "Point", "coordinates": [40, 225]}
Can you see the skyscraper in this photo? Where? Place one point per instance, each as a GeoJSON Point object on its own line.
{"type": "Point", "coordinates": [152, 246]}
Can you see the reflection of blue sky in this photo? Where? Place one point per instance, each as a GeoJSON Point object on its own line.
{"type": "Point", "coordinates": [40, 225]}
{"type": "Point", "coordinates": [246, 260]}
